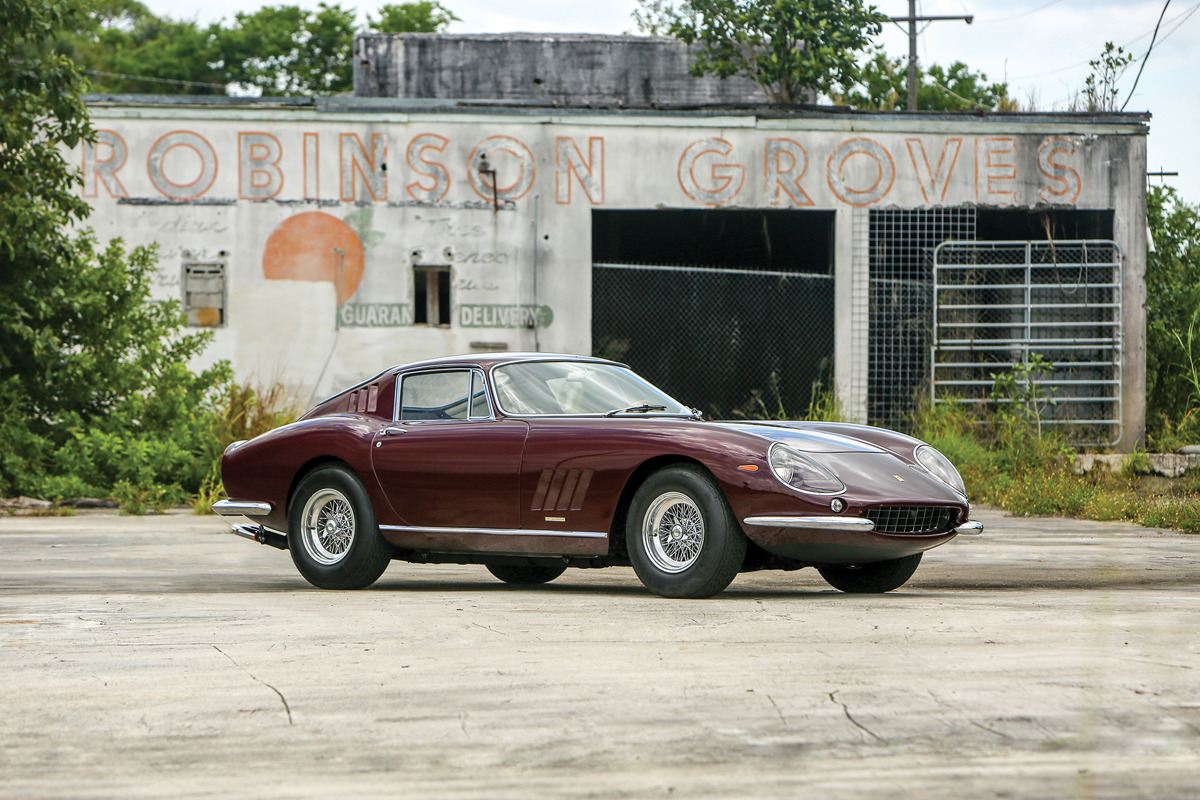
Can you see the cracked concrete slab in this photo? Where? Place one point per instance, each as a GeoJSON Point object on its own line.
{"type": "Point", "coordinates": [154, 656]}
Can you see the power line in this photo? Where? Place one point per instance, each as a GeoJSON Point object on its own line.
{"type": "Point", "coordinates": [1183, 16]}
{"type": "Point", "coordinates": [1178, 22]}
{"type": "Point", "coordinates": [1146, 57]}
{"type": "Point", "coordinates": [1022, 14]}
{"type": "Point", "coordinates": [155, 80]}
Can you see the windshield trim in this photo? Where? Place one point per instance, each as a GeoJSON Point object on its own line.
{"type": "Point", "coordinates": [687, 413]}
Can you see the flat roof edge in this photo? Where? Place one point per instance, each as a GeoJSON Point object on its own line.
{"type": "Point", "coordinates": [346, 103]}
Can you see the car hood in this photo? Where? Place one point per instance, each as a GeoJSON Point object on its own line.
{"type": "Point", "coordinates": [808, 441]}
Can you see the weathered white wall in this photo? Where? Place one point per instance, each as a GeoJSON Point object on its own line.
{"type": "Point", "coordinates": [392, 189]}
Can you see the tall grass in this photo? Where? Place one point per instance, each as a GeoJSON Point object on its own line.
{"type": "Point", "coordinates": [824, 404]}
{"type": "Point", "coordinates": [246, 411]}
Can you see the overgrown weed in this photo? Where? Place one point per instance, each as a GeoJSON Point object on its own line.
{"type": "Point", "coordinates": [1009, 458]}
{"type": "Point", "coordinates": [767, 404]}
{"type": "Point", "coordinates": [245, 411]}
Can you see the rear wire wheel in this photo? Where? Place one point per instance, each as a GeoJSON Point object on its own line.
{"type": "Point", "coordinates": [332, 535]}
{"type": "Point", "coordinates": [683, 539]}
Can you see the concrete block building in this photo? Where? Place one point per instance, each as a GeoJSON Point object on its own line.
{"type": "Point", "coordinates": [726, 249]}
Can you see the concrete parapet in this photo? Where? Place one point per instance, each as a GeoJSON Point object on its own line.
{"type": "Point", "coordinates": [545, 68]}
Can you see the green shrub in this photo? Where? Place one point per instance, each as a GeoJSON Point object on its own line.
{"type": "Point", "coordinates": [1005, 461]}
{"type": "Point", "coordinates": [1172, 512]}
{"type": "Point", "coordinates": [1172, 321]}
{"type": "Point", "coordinates": [117, 408]}
{"type": "Point", "coordinates": [1108, 506]}
{"type": "Point", "coordinates": [137, 499]}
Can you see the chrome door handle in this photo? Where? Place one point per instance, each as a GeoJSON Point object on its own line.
{"type": "Point", "coordinates": [392, 430]}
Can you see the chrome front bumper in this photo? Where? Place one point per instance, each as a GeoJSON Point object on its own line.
{"type": "Point", "coordinates": [820, 523]}
{"type": "Point", "coordinates": [831, 523]}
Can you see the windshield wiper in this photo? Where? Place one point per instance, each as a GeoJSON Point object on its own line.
{"type": "Point", "coordinates": [642, 409]}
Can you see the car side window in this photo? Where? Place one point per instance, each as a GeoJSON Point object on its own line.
{"type": "Point", "coordinates": [435, 395]}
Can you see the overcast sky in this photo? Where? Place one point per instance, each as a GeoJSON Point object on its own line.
{"type": "Point", "coordinates": [1041, 47]}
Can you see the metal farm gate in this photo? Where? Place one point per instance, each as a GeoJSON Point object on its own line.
{"type": "Point", "coordinates": [998, 303]}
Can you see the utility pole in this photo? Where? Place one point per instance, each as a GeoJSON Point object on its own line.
{"type": "Point", "coordinates": [912, 19]}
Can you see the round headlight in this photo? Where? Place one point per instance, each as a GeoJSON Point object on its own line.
{"type": "Point", "coordinates": [941, 467]}
{"type": "Point", "coordinates": [801, 472]}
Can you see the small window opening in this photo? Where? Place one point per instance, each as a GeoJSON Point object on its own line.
{"type": "Point", "coordinates": [431, 296]}
{"type": "Point", "coordinates": [204, 292]}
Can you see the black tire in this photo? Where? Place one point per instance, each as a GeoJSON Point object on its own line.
{"type": "Point", "coordinates": [526, 574]}
{"type": "Point", "coordinates": [874, 578]}
{"type": "Point", "coordinates": [682, 537]}
{"type": "Point", "coordinates": [332, 534]}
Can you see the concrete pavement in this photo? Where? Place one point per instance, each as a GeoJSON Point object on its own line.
{"type": "Point", "coordinates": [160, 656]}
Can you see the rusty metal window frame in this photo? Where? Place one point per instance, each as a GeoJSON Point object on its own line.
{"type": "Point", "coordinates": [192, 271]}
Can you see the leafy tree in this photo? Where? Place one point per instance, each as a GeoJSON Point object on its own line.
{"type": "Point", "coordinates": [883, 84]}
{"type": "Point", "coordinates": [124, 48]}
{"type": "Point", "coordinates": [40, 94]}
{"type": "Point", "coordinates": [789, 47]}
{"type": "Point", "coordinates": [1172, 301]}
{"type": "Point", "coordinates": [289, 50]}
{"type": "Point", "coordinates": [85, 356]}
{"type": "Point", "coordinates": [423, 16]}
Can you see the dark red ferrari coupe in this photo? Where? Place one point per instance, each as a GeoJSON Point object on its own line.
{"type": "Point", "coordinates": [532, 463]}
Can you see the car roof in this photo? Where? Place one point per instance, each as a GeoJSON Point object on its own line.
{"type": "Point", "coordinates": [481, 360]}
{"type": "Point", "coordinates": [489, 360]}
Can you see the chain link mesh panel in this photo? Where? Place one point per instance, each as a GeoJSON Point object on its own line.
{"type": "Point", "coordinates": [718, 338]}
{"type": "Point", "coordinates": [1000, 303]}
{"type": "Point", "coordinates": [902, 242]}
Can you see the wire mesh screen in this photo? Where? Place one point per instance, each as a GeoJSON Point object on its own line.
{"type": "Point", "coordinates": [1000, 303]}
{"type": "Point", "coordinates": [902, 242]}
{"type": "Point", "coordinates": [718, 338]}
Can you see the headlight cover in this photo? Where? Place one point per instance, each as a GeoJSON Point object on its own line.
{"type": "Point", "coordinates": [799, 471]}
{"type": "Point", "coordinates": [940, 466]}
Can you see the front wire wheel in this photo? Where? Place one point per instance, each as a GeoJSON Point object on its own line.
{"type": "Point", "coordinates": [673, 532]}
{"type": "Point", "coordinates": [332, 535]}
{"type": "Point", "coordinates": [682, 537]}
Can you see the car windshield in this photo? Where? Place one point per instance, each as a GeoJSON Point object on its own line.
{"type": "Point", "coordinates": [572, 387]}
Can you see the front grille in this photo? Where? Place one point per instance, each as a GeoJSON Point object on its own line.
{"type": "Point", "coordinates": [910, 519]}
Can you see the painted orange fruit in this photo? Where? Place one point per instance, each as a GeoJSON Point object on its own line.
{"type": "Point", "coordinates": [315, 246]}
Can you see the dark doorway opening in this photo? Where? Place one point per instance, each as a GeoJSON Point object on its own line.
{"type": "Point", "coordinates": [1027, 224]}
{"type": "Point", "coordinates": [730, 311]}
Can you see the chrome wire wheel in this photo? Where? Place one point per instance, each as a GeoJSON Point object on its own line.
{"type": "Point", "coordinates": [673, 532]}
{"type": "Point", "coordinates": [328, 526]}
